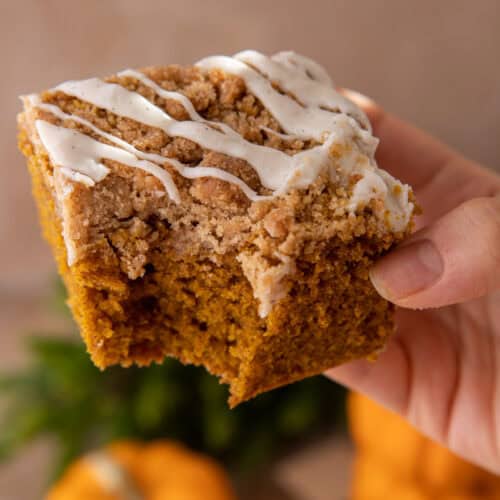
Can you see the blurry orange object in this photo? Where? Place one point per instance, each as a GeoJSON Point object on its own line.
{"type": "Point", "coordinates": [394, 461]}
{"type": "Point", "coordinates": [128, 470]}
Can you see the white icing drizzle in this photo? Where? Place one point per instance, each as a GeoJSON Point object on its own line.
{"type": "Point", "coordinates": [112, 476]}
{"type": "Point", "coordinates": [185, 170]}
{"type": "Point", "coordinates": [180, 98]}
{"type": "Point", "coordinates": [285, 137]}
{"type": "Point", "coordinates": [276, 170]}
{"type": "Point", "coordinates": [316, 113]}
{"type": "Point", "coordinates": [268, 283]}
{"type": "Point", "coordinates": [308, 67]}
{"type": "Point", "coordinates": [65, 190]}
{"type": "Point", "coordinates": [80, 156]}
{"type": "Point", "coordinates": [309, 122]}
{"type": "Point", "coordinates": [313, 94]}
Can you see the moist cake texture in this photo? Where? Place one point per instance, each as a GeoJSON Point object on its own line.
{"type": "Point", "coordinates": [225, 213]}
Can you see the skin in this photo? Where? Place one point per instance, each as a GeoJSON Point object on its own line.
{"type": "Point", "coordinates": [441, 370]}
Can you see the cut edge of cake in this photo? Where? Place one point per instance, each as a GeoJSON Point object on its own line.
{"type": "Point", "coordinates": [169, 247]}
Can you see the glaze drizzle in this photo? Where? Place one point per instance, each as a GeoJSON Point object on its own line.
{"type": "Point", "coordinates": [308, 107]}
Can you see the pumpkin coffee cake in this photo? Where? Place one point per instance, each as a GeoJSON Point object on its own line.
{"type": "Point", "coordinates": [225, 213]}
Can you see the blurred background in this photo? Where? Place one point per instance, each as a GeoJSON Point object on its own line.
{"type": "Point", "coordinates": [433, 63]}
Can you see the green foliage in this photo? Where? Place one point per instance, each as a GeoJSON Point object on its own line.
{"type": "Point", "coordinates": [62, 395]}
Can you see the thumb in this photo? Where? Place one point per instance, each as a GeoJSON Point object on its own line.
{"type": "Point", "coordinates": [455, 259]}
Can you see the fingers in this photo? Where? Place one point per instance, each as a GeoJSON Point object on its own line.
{"type": "Point", "coordinates": [414, 377]}
{"type": "Point", "coordinates": [451, 261]}
{"type": "Point", "coordinates": [386, 380]}
{"type": "Point", "coordinates": [457, 181]}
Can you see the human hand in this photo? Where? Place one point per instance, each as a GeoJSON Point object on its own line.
{"type": "Point", "coordinates": [441, 369]}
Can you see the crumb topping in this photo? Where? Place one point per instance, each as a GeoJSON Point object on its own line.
{"type": "Point", "coordinates": [250, 155]}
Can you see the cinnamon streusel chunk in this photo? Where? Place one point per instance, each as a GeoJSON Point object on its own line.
{"type": "Point", "coordinates": [226, 214]}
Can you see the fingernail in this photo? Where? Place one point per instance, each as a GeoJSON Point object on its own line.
{"type": "Point", "coordinates": [358, 98]}
{"type": "Point", "coordinates": [407, 270]}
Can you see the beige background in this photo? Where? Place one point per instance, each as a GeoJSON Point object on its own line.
{"type": "Point", "coordinates": [435, 63]}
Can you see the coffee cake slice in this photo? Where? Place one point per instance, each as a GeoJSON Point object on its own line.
{"type": "Point", "coordinates": [225, 213]}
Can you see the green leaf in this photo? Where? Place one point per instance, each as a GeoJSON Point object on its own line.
{"type": "Point", "coordinates": [155, 401]}
{"type": "Point", "coordinates": [297, 414]}
{"type": "Point", "coordinates": [24, 425]}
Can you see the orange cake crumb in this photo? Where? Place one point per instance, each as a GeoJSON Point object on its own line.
{"type": "Point", "coordinates": [190, 216]}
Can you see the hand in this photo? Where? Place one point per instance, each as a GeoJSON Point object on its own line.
{"type": "Point", "coordinates": [441, 370]}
